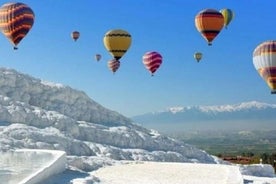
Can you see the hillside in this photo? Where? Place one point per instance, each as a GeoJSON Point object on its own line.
{"type": "Point", "coordinates": [37, 114]}
{"type": "Point", "coordinates": [42, 115]}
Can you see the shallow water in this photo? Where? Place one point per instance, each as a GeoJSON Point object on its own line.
{"type": "Point", "coordinates": [15, 166]}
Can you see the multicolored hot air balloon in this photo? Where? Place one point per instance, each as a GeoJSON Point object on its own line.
{"type": "Point", "coordinates": [209, 23]}
{"type": "Point", "coordinates": [75, 35]}
{"type": "Point", "coordinates": [98, 57]}
{"type": "Point", "coordinates": [264, 60]}
{"type": "Point", "coordinates": [113, 65]}
{"type": "Point", "coordinates": [117, 42]}
{"type": "Point", "coordinates": [152, 61]}
{"type": "Point", "coordinates": [228, 16]}
{"type": "Point", "coordinates": [198, 56]}
{"type": "Point", "coordinates": [16, 20]}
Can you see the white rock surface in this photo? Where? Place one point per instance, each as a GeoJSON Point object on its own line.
{"type": "Point", "coordinates": [167, 173]}
{"type": "Point", "coordinates": [36, 114]}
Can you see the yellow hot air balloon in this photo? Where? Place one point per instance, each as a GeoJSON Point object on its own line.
{"type": "Point", "coordinates": [198, 56]}
{"type": "Point", "coordinates": [228, 16]}
{"type": "Point", "coordinates": [117, 42]}
{"type": "Point", "coordinates": [16, 20]}
{"type": "Point", "coordinates": [264, 60]}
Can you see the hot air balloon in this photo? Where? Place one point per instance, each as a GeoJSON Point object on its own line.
{"type": "Point", "coordinates": [98, 57]}
{"type": "Point", "coordinates": [152, 61]}
{"type": "Point", "coordinates": [75, 35]}
{"type": "Point", "coordinates": [228, 15]}
{"type": "Point", "coordinates": [209, 23]}
{"type": "Point", "coordinates": [264, 60]}
{"type": "Point", "coordinates": [117, 42]}
{"type": "Point", "coordinates": [113, 65]}
{"type": "Point", "coordinates": [198, 56]}
{"type": "Point", "coordinates": [16, 20]}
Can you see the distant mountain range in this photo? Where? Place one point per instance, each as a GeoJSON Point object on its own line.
{"type": "Point", "coordinates": [246, 115]}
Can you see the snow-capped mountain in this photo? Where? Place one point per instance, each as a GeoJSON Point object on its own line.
{"type": "Point", "coordinates": [43, 115]}
{"type": "Point", "coordinates": [224, 108]}
{"type": "Point", "coordinates": [244, 115]}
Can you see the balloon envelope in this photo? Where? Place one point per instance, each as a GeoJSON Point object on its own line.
{"type": "Point", "coordinates": [198, 56]}
{"type": "Point", "coordinates": [209, 23]}
{"type": "Point", "coordinates": [16, 20]}
{"type": "Point", "coordinates": [117, 42]}
{"type": "Point", "coordinates": [228, 16]}
{"type": "Point", "coordinates": [113, 65]}
{"type": "Point", "coordinates": [264, 60]}
{"type": "Point", "coordinates": [98, 57]}
{"type": "Point", "coordinates": [75, 35]}
{"type": "Point", "coordinates": [152, 61]}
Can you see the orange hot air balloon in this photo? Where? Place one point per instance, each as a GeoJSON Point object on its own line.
{"type": "Point", "coordinates": [113, 65]}
{"type": "Point", "coordinates": [75, 35]}
{"type": "Point", "coordinates": [264, 60]}
{"type": "Point", "coordinates": [16, 20]}
{"type": "Point", "coordinates": [152, 61]}
{"type": "Point", "coordinates": [209, 23]}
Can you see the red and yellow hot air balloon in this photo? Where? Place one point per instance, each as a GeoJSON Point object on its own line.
{"type": "Point", "coordinates": [264, 60]}
{"type": "Point", "coordinates": [152, 61]}
{"type": "Point", "coordinates": [75, 35]}
{"type": "Point", "coordinates": [117, 42]}
{"type": "Point", "coordinates": [228, 16]}
{"type": "Point", "coordinates": [209, 23]}
{"type": "Point", "coordinates": [16, 20]}
{"type": "Point", "coordinates": [113, 65]}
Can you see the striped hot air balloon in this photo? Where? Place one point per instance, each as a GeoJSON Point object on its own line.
{"type": "Point", "coordinates": [16, 20]}
{"type": "Point", "coordinates": [152, 61]}
{"type": "Point", "coordinates": [113, 65]}
{"type": "Point", "coordinates": [209, 23]}
{"type": "Point", "coordinates": [264, 60]}
{"type": "Point", "coordinates": [75, 35]}
{"type": "Point", "coordinates": [228, 16]}
{"type": "Point", "coordinates": [117, 42]}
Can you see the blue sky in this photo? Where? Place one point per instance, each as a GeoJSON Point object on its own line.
{"type": "Point", "coordinates": [225, 75]}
